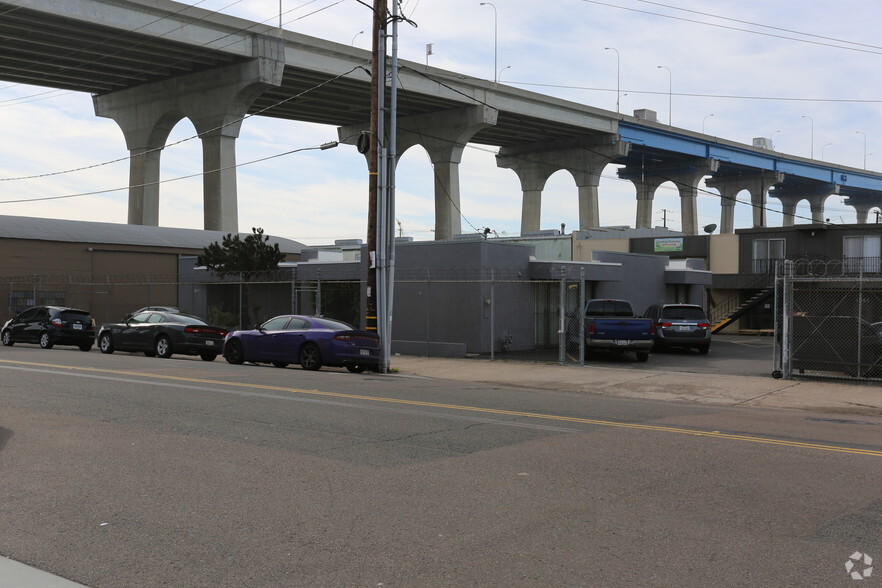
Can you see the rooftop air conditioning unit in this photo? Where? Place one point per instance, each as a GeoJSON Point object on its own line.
{"type": "Point", "coordinates": [646, 114]}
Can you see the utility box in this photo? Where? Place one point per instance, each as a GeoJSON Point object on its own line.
{"type": "Point", "coordinates": [646, 114]}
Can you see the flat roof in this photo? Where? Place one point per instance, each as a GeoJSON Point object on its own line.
{"type": "Point", "coordinates": [50, 229]}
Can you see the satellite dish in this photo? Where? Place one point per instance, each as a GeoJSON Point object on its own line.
{"type": "Point", "coordinates": [710, 228]}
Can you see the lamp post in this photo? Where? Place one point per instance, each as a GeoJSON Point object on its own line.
{"type": "Point", "coordinates": [352, 44]}
{"type": "Point", "coordinates": [499, 75]}
{"type": "Point", "coordinates": [670, 87]}
{"type": "Point", "coordinates": [618, 75]}
{"type": "Point", "coordinates": [811, 120]}
{"type": "Point", "coordinates": [771, 144]}
{"type": "Point", "coordinates": [865, 147]}
{"type": "Point", "coordinates": [704, 120]}
{"type": "Point", "coordinates": [822, 150]}
{"type": "Point", "coordinates": [495, 37]}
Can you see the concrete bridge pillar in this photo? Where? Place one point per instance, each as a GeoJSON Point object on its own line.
{"type": "Point", "coordinates": [862, 211]}
{"type": "Point", "coordinates": [443, 135]}
{"type": "Point", "coordinates": [687, 184]}
{"type": "Point", "coordinates": [686, 176]}
{"type": "Point", "coordinates": [215, 101]}
{"type": "Point", "coordinates": [816, 194]}
{"type": "Point", "coordinates": [728, 187]}
{"type": "Point", "coordinates": [757, 183]}
{"type": "Point", "coordinates": [646, 186]}
{"type": "Point", "coordinates": [585, 159]}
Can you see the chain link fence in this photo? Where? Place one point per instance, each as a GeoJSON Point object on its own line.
{"type": "Point", "coordinates": [496, 314]}
{"type": "Point", "coordinates": [828, 321]}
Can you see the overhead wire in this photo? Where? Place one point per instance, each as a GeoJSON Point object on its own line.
{"type": "Point", "coordinates": [699, 190]}
{"type": "Point", "coordinates": [253, 114]}
{"type": "Point", "coordinates": [732, 28]}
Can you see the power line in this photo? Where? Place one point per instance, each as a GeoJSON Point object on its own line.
{"type": "Point", "coordinates": [321, 147]}
{"type": "Point", "coordinates": [731, 28]}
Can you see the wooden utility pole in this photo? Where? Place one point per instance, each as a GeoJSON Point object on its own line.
{"type": "Point", "coordinates": [378, 56]}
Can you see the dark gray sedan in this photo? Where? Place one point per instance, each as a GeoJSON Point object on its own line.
{"type": "Point", "coordinates": [162, 334]}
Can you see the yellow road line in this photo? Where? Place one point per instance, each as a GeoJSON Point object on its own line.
{"type": "Point", "coordinates": [476, 409]}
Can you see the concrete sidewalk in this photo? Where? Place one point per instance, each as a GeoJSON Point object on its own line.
{"type": "Point", "coordinates": [17, 575]}
{"type": "Point", "coordinates": [721, 389]}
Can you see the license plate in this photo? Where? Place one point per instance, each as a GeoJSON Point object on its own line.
{"type": "Point", "coordinates": [78, 327]}
{"type": "Point", "coordinates": [621, 342]}
{"type": "Point", "coordinates": [365, 351]}
{"type": "Point", "coordinates": [684, 328]}
{"type": "Point", "coordinates": [209, 343]}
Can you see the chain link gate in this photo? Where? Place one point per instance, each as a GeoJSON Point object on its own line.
{"type": "Point", "coordinates": [828, 322]}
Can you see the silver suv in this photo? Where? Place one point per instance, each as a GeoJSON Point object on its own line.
{"type": "Point", "coordinates": [680, 325]}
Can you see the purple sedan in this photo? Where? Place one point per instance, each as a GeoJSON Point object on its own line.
{"type": "Point", "coordinates": [312, 341]}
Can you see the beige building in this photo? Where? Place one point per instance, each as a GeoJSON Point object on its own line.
{"type": "Point", "coordinates": [108, 269]}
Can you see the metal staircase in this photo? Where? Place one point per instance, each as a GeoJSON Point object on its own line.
{"type": "Point", "coordinates": [731, 309]}
{"type": "Point", "coordinates": [740, 309]}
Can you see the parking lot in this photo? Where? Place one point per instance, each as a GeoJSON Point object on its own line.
{"type": "Point", "coordinates": [744, 355]}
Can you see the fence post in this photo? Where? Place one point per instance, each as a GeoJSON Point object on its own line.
{"type": "Point", "coordinates": [426, 310]}
{"type": "Point", "coordinates": [318, 294]}
{"type": "Point", "coordinates": [860, 318]}
{"type": "Point", "coordinates": [580, 316]}
{"type": "Point", "coordinates": [492, 314]}
{"type": "Point", "coordinates": [561, 331]}
{"type": "Point", "coordinates": [786, 318]}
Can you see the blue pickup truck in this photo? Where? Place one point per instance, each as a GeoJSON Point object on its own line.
{"type": "Point", "coordinates": [611, 325]}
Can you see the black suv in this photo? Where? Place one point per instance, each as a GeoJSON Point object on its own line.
{"type": "Point", "coordinates": [49, 326]}
{"type": "Point", "coordinates": [680, 325]}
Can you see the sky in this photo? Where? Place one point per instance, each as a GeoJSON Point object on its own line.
{"type": "Point", "coordinates": [803, 73]}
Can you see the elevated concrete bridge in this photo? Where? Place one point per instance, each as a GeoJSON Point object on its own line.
{"type": "Point", "coordinates": [150, 63]}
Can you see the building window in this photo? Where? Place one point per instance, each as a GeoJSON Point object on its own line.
{"type": "Point", "coordinates": [20, 300]}
{"type": "Point", "coordinates": [766, 254]}
{"type": "Point", "coordinates": [861, 253]}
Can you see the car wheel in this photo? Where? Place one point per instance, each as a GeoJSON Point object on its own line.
{"type": "Point", "coordinates": [7, 338]}
{"type": "Point", "coordinates": [86, 347]}
{"type": "Point", "coordinates": [280, 364]}
{"type": "Point", "coordinates": [356, 368]}
{"type": "Point", "coordinates": [233, 352]}
{"type": "Point", "coordinates": [642, 355]}
{"type": "Point", "coordinates": [163, 347]}
{"type": "Point", "coordinates": [208, 356]}
{"type": "Point", "coordinates": [310, 357]}
{"type": "Point", "coordinates": [45, 343]}
{"type": "Point", "coordinates": [703, 349]}
{"type": "Point", "coordinates": [105, 343]}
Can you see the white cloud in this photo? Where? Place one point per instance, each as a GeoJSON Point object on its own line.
{"type": "Point", "coordinates": [554, 48]}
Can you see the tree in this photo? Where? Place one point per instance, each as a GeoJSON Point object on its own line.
{"type": "Point", "coordinates": [242, 257]}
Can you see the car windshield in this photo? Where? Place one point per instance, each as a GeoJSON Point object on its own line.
{"type": "Point", "coordinates": [684, 313]}
{"type": "Point", "coordinates": [331, 324]}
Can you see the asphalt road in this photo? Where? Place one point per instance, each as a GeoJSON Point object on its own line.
{"type": "Point", "coordinates": [127, 471]}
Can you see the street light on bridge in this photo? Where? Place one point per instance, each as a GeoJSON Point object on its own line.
{"type": "Point", "coordinates": [704, 120]}
{"type": "Point", "coordinates": [812, 135]}
{"type": "Point", "coordinates": [865, 147]}
{"type": "Point", "coordinates": [495, 37]}
{"type": "Point", "coordinates": [822, 150]}
{"type": "Point", "coordinates": [618, 76]}
{"type": "Point", "coordinates": [670, 93]}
